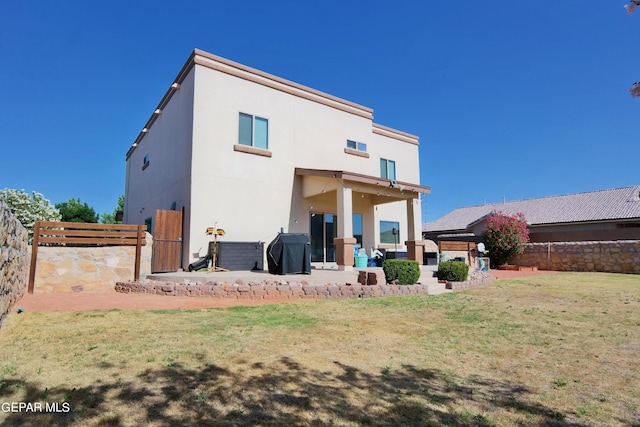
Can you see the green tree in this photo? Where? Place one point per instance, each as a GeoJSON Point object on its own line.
{"type": "Point", "coordinates": [73, 210]}
{"type": "Point", "coordinates": [29, 208]}
{"type": "Point", "coordinates": [110, 218]}
{"type": "Point", "coordinates": [505, 236]}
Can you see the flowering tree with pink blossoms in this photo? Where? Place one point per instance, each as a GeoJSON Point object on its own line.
{"type": "Point", "coordinates": [631, 7]}
{"type": "Point", "coordinates": [505, 236]}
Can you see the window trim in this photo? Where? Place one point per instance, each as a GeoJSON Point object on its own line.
{"type": "Point", "coordinates": [356, 153]}
{"type": "Point", "coordinates": [355, 148]}
{"type": "Point", "coordinates": [252, 150]}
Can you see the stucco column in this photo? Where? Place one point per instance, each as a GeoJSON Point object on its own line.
{"type": "Point", "coordinates": [414, 228]}
{"type": "Point", "coordinates": [345, 240]}
{"type": "Point", "coordinates": [415, 250]}
{"type": "Point", "coordinates": [415, 244]}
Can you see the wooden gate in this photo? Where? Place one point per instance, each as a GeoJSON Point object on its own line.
{"type": "Point", "coordinates": [167, 242]}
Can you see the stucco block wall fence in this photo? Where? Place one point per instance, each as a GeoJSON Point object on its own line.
{"type": "Point", "coordinates": [14, 260]}
{"type": "Point", "coordinates": [611, 257]}
{"type": "Point", "coordinates": [75, 269]}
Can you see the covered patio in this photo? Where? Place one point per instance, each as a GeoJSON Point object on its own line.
{"type": "Point", "coordinates": [348, 192]}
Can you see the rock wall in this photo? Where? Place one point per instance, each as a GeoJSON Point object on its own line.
{"type": "Point", "coordinates": [76, 269]}
{"type": "Point", "coordinates": [270, 290]}
{"type": "Point", "coordinates": [621, 256]}
{"type": "Point", "coordinates": [14, 260]}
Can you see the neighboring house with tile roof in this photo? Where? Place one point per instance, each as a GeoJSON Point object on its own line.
{"type": "Point", "coordinates": [596, 215]}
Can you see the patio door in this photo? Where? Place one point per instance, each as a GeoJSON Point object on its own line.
{"type": "Point", "coordinates": [324, 228]}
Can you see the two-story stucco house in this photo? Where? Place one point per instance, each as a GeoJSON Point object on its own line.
{"type": "Point", "coordinates": [254, 153]}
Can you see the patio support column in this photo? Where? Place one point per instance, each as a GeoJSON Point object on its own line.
{"type": "Point", "coordinates": [345, 240]}
{"type": "Point", "coordinates": [415, 244]}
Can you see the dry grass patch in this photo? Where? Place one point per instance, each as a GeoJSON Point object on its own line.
{"type": "Point", "coordinates": [546, 350]}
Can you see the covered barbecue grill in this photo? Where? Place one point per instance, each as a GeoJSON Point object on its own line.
{"type": "Point", "coordinates": [289, 253]}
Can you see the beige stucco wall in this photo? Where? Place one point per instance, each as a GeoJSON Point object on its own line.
{"type": "Point", "coordinates": [251, 196]}
{"type": "Point", "coordinates": [167, 179]}
{"type": "Point", "coordinates": [257, 190]}
{"type": "Point", "coordinates": [76, 269]}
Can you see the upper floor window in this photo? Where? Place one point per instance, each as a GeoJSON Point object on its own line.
{"type": "Point", "coordinates": [388, 169]}
{"type": "Point", "coordinates": [360, 146]}
{"type": "Point", "coordinates": [253, 131]}
{"type": "Point", "coordinates": [145, 162]}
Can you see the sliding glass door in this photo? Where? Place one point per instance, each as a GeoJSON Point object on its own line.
{"type": "Point", "coordinates": [324, 228]}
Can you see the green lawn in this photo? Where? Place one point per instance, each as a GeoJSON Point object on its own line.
{"type": "Point", "coordinates": [558, 349]}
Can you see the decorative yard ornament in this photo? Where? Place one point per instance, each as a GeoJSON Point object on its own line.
{"type": "Point", "coordinates": [631, 7]}
{"type": "Point", "coordinates": [215, 232]}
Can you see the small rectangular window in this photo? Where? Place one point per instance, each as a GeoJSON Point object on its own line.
{"type": "Point", "coordinates": [261, 139]}
{"type": "Point", "coordinates": [253, 131]}
{"type": "Point", "coordinates": [359, 146]}
{"type": "Point", "coordinates": [389, 232]}
{"type": "Point", "coordinates": [246, 130]}
{"type": "Point", "coordinates": [145, 162]}
{"type": "Point", "coordinates": [388, 169]}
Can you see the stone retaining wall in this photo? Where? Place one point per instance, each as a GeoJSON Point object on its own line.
{"type": "Point", "coordinates": [270, 290]}
{"type": "Point", "coordinates": [14, 260]}
{"type": "Point", "coordinates": [74, 269]}
{"type": "Point", "coordinates": [481, 279]}
{"type": "Point", "coordinates": [621, 256]}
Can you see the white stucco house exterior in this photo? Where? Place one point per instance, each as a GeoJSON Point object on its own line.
{"type": "Point", "coordinates": [255, 153]}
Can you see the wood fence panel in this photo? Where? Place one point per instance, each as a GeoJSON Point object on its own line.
{"type": "Point", "coordinates": [456, 246]}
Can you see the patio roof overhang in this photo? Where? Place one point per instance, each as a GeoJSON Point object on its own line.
{"type": "Point", "coordinates": [318, 181]}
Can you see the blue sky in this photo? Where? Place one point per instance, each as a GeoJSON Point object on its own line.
{"type": "Point", "coordinates": [511, 99]}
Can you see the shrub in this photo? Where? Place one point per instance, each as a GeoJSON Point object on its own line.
{"type": "Point", "coordinates": [406, 272]}
{"type": "Point", "coordinates": [453, 271]}
{"type": "Point", "coordinates": [505, 236]}
{"type": "Point", "coordinates": [29, 208]}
